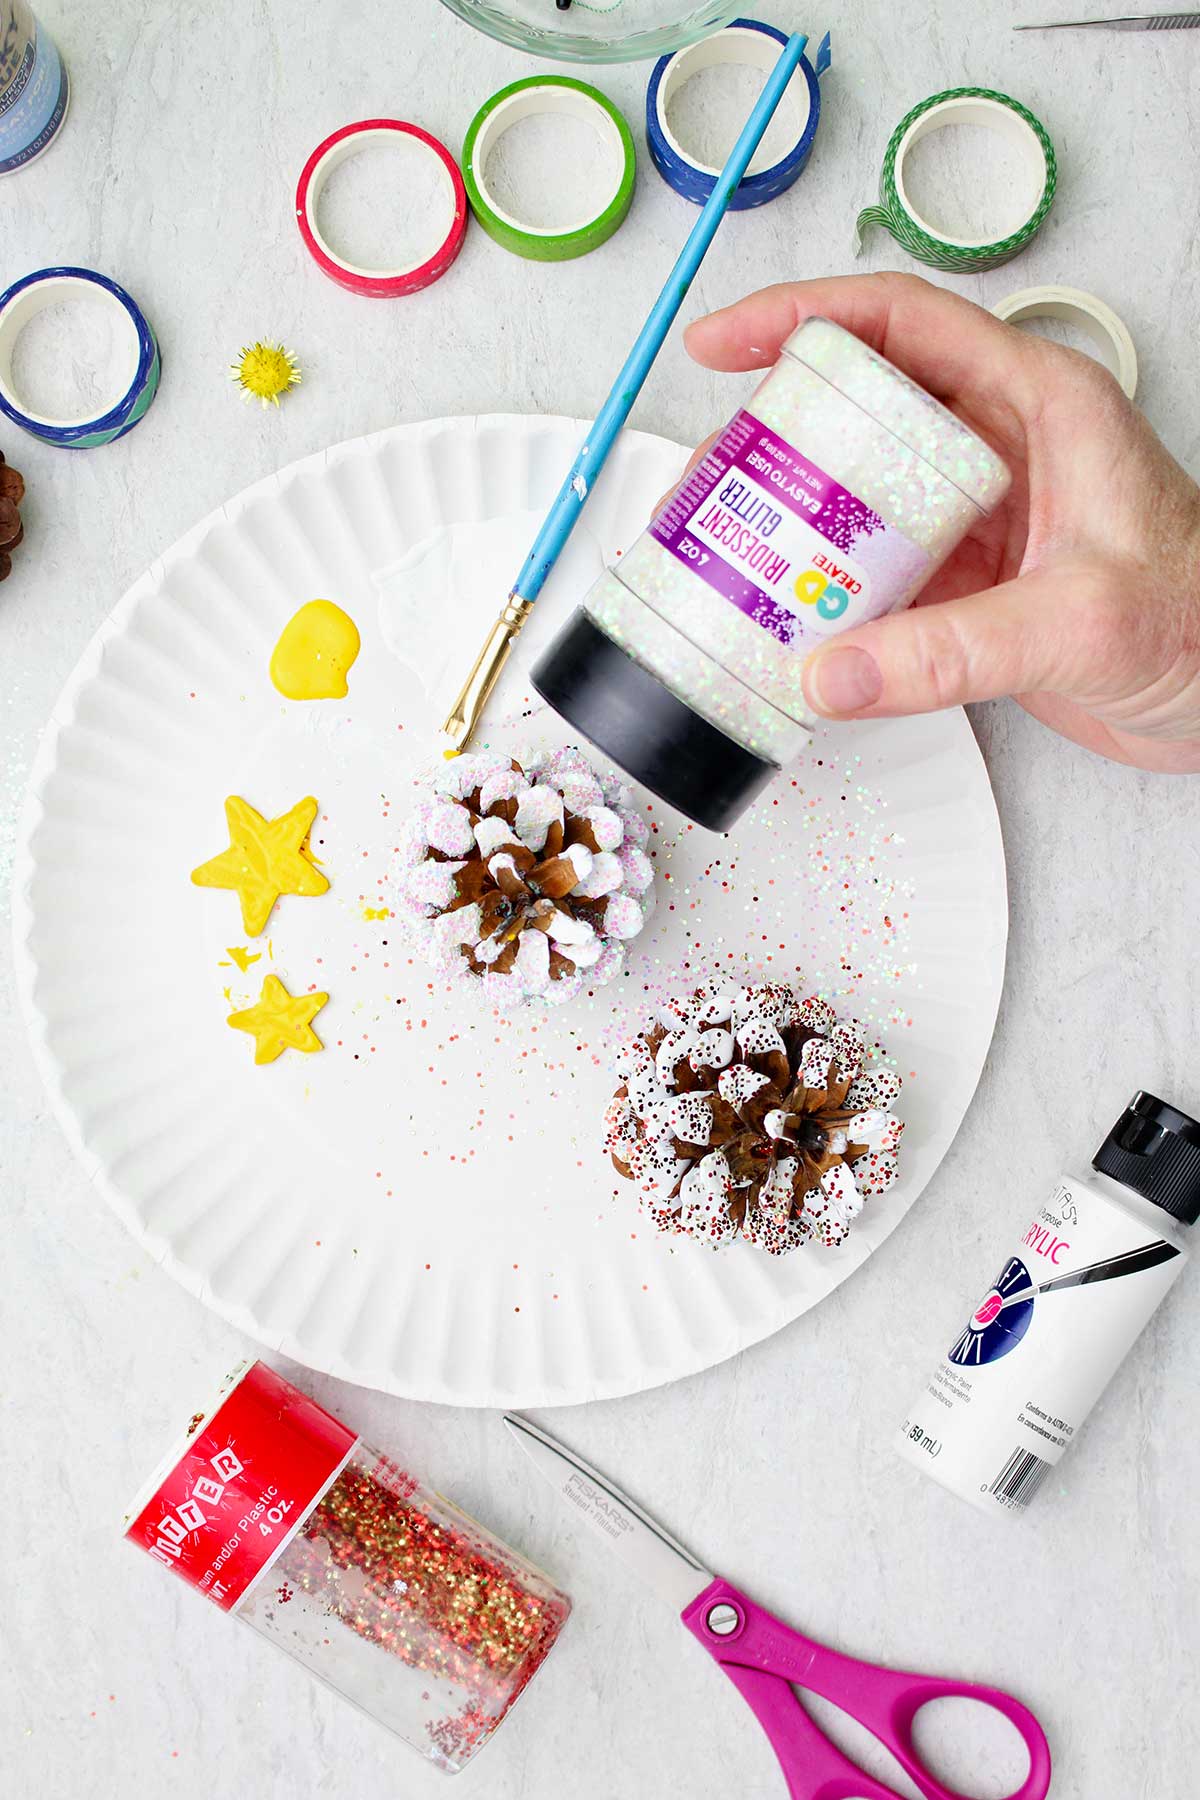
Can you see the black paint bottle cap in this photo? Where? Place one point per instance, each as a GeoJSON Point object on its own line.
{"type": "Point", "coordinates": [652, 734]}
{"type": "Point", "coordinates": [1155, 1149]}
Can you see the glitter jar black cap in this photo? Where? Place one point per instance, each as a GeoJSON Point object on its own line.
{"type": "Point", "coordinates": [1155, 1149]}
{"type": "Point", "coordinates": [658, 739]}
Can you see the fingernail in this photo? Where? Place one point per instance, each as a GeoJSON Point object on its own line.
{"type": "Point", "coordinates": [843, 680]}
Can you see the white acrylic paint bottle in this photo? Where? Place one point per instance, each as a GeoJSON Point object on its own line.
{"type": "Point", "coordinates": [1002, 1406]}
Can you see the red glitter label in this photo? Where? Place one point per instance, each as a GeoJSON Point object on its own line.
{"type": "Point", "coordinates": [242, 1486]}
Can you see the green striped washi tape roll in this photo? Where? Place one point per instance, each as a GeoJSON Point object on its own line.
{"type": "Point", "coordinates": [961, 106]}
{"type": "Point", "coordinates": [538, 96]}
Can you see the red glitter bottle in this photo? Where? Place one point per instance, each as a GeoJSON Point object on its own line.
{"type": "Point", "coordinates": [384, 1590]}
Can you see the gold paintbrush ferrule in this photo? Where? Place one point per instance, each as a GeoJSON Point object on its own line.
{"type": "Point", "coordinates": [465, 713]}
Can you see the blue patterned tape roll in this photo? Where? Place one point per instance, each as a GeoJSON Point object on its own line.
{"type": "Point", "coordinates": [51, 287]}
{"type": "Point", "coordinates": [746, 42]}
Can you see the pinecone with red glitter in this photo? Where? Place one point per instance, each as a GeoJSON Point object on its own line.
{"type": "Point", "coordinates": [748, 1111]}
{"type": "Point", "coordinates": [12, 492]}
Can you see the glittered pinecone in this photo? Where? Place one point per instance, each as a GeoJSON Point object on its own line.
{"type": "Point", "coordinates": [529, 879]}
{"type": "Point", "coordinates": [12, 491]}
{"type": "Point", "coordinates": [747, 1111]}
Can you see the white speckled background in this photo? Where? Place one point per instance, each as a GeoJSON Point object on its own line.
{"type": "Point", "coordinates": [175, 173]}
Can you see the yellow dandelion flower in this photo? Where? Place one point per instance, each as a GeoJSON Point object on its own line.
{"type": "Point", "coordinates": [264, 371]}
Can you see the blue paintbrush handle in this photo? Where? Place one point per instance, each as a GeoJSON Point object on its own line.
{"type": "Point", "coordinates": [560, 520]}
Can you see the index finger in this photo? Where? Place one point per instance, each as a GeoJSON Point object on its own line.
{"type": "Point", "coordinates": [955, 349]}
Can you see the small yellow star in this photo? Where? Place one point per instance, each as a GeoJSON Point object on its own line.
{"type": "Point", "coordinates": [280, 1021]}
{"type": "Point", "coordinates": [265, 858]}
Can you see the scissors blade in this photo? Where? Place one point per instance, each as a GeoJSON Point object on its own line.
{"type": "Point", "coordinates": [643, 1546]}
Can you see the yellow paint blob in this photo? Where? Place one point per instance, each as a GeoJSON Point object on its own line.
{"type": "Point", "coordinates": [315, 652]}
{"type": "Point", "coordinates": [377, 912]}
{"type": "Point", "coordinates": [243, 956]}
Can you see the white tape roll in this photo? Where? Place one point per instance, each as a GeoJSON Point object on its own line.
{"type": "Point", "coordinates": [1085, 311]}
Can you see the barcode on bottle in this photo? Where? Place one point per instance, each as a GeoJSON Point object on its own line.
{"type": "Point", "coordinates": [1020, 1478]}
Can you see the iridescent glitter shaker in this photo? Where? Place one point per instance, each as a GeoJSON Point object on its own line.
{"type": "Point", "coordinates": [829, 501]}
{"type": "Point", "coordinates": [384, 1590]}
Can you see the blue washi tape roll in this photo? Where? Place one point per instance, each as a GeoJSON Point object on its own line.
{"type": "Point", "coordinates": [135, 341]}
{"type": "Point", "coordinates": [750, 44]}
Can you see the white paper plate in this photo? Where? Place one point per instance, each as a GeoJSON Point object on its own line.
{"type": "Point", "coordinates": [425, 1207]}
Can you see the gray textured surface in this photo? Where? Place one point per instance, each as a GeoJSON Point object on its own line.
{"type": "Point", "coordinates": [175, 174]}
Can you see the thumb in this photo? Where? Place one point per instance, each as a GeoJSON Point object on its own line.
{"type": "Point", "coordinates": [1013, 639]}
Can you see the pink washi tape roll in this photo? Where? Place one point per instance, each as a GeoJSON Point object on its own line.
{"type": "Point", "coordinates": [434, 258]}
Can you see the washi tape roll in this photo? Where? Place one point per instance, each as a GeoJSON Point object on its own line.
{"type": "Point", "coordinates": [962, 106]}
{"type": "Point", "coordinates": [35, 89]}
{"type": "Point", "coordinates": [539, 96]}
{"type": "Point", "coordinates": [135, 342]}
{"type": "Point", "coordinates": [747, 43]}
{"type": "Point", "coordinates": [442, 244]}
{"type": "Point", "coordinates": [1085, 311]}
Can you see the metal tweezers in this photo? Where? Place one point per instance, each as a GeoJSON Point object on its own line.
{"type": "Point", "coordinates": [1183, 21]}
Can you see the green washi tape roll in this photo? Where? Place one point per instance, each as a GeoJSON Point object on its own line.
{"type": "Point", "coordinates": [961, 106]}
{"type": "Point", "coordinates": [539, 96]}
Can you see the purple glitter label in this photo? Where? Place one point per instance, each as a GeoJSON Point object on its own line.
{"type": "Point", "coordinates": [783, 541]}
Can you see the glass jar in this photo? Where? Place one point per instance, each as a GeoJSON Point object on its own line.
{"type": "Point", "coordinates": [606, 31]}
{"type": "Point", "coordinates": [35, 89]}
{"type": "Point", "coordinates": [831, 500]}
{"type": "Point", "coordinates": [381, 1588]}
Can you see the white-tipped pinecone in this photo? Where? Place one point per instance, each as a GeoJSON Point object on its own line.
{"type": "Point", "coordinates": [530, 878]}
{"type": "Point", "coordinates": [747, 1111]}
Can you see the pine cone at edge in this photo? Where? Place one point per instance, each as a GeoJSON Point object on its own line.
{"type": "Point", "coordinates": [12, 492]}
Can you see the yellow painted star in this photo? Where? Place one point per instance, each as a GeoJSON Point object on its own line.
{"type": "Point", "coordinates": [280, 1021]}
{"type": "Point", "coordinates": [265, 858]}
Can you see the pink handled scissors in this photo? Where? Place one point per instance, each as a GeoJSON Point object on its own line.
{"type": "Point", "coordinates": [765, 1659]}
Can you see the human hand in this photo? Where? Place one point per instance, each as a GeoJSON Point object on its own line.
{"type": "Point", "coordinates": [1080, 595]}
